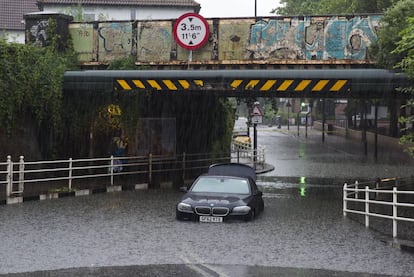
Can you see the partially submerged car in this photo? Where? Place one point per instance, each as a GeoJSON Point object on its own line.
{"type": "Point", "coordinates": [227, 191]}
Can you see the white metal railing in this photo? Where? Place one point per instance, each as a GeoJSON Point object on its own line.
{"type": "Point", "coordinates": [16, 175]}
{"type": "Point", "coordinates": [380, 193]}
{"type": "Point", "coordinates": [244, 150]}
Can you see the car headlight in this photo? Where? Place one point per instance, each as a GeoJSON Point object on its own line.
{"type": "Point", "coordinates": [241, 210]}
{"type": "Point", "coordinates": [184, 207]}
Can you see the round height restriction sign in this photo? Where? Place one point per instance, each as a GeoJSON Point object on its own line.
{"type": "Point", "coordinates": [191, 31]}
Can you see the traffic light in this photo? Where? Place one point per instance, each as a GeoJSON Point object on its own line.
{"type": "Point", "coordinates": [304, 107]}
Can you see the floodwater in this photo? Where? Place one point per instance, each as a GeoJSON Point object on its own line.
{"type": "Point", "coordinates": [302, 232]}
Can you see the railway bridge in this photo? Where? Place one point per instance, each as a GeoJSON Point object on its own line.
{"type": "Point", "coordinates": [307, 57]}
{"type": "Point", "coordinates": [296, 57]}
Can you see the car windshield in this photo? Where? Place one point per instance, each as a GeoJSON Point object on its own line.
{"type": "Point", "coordinates": [221, 185]}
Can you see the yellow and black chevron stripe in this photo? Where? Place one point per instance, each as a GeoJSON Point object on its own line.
{"type": "Point", "coordinates": [242, 85]}
{"type": "Point", "coordinates": [292, 85]}
{"type": "Point", "coordinates": [154, 84]}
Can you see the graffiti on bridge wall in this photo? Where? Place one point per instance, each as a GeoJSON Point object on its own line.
{"type": "Point", "coordinates": [37, 32]}
{"type": "Point", "coordinates": [115, 39]}
{"type": "Point", "coordinates": [281, 38]}
{"type": "Point", "coordinates": [313, 38]}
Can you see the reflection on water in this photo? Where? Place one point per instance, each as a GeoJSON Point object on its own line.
{"type": "Point", "coordinates": [315, 188]}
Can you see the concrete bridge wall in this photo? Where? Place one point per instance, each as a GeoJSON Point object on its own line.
{"type": "Point", "coordinates": [312, 39]}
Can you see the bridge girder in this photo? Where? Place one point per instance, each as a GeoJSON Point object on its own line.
{"type": "Point", "coordinates": [290, 83]}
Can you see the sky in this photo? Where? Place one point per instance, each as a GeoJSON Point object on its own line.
{"type": "Point", "coordinates": [236, 8]}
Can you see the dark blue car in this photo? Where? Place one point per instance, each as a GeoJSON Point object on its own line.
{"type": "Point", "coordinates": [226, 191]}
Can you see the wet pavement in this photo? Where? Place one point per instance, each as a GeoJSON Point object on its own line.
{"type": "Point", "coordinates": [336, 158]}
{"type": "Point", "coordinates": [134, 233]}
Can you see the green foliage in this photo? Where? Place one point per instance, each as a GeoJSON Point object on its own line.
{"type": "Point", "coordinates": [126, 63]}
{"type": "Point", "coordinates": [222, 127]}
{"type": "Point", "coordinates": [405, 48]}
{"type": "Point", "coordinates": [31, 82]}
{"type": "Point", "coordinates": [315, 7]}
{"type": "Point", "coordinates": [31, 87]}
{"type": "Point", "coordinates": [393, 22]}
{"type": "Point", "coordinates": [408, 137]}
{"type": "Point", "coordinates": [269, 112]}
{"type": "Point", "coordinates": [78, 13]}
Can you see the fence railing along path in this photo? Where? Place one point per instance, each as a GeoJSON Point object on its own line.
{"type": "Point", "coordinates": [391, 199]}
{"type": "Point", "coordinates": [63, 175]}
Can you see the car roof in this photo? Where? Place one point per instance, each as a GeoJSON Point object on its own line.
{"type": "Point", "coordinates": [232, 169]}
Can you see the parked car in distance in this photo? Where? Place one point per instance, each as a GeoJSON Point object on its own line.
{"type": "Point", "coordinates": [227, 191]}
{"type": "Point", "coordinates": [240, 127]}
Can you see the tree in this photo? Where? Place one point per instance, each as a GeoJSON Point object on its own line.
{"type": "Point", "coordinates": [393, 22]}
{"type": "Point", "coordinates": [313, 7]}
{"type": "Point", "coordinates": [406, 47]}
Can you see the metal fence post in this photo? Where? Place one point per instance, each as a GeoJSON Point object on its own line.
{"type": "Point", "coordinates": [70, 174]}
{"type": "Point", "coordinates": [394, 212]}
{"type": "Point", "coordinates": [21, 174]}
{"type": "Point", "coordinates": [345, 195]}
{"type": "Point", "coordinates": [366, 206]}
{"type": "Point", "coordinates": [112, 170]}
{"type": "Point", "coordinates": [9, 177]}
{"type": "Point", "coordinates": [356, 190]}
{"type": "Point", "coordinates": [150, 169]}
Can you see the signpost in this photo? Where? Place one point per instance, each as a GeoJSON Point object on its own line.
{"type": "Point", "coordinates": [257, 118]}
{"type": "Point", "coordinates": [191, 31]}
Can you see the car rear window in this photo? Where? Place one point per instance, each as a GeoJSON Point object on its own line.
{"type": "Point", "coordinates": [221, 185]}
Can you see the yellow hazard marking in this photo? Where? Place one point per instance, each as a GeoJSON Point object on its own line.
{"type": "Point", "coordinates": [124, 84]}
{"type": "Point", "coordinates": [154, 84]}
{"type": "Point", "coordinates": [285, 85]}
{"type": "Point", "coordinates": [169, 84]}
{"type": "Point", "coordinates": [320, 85]}
{"type": "Point", "coordinates": [184, 83]}
{"type": "Point", "coordinates": [199, 83]}
{"type": "Point", "coordinates": [138, 84]}
{"type": "Point", "coordinates": [302, 85]}
{"type": "Point", "coordinates": [268, 85]}
{"type": "Point", "coordinates": [236, 83]}
{"type": "Point", "coordinates": [338, 85]}
{"type": "Point", "coordinates": [252, 84]}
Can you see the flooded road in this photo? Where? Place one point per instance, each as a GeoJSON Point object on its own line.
{"type": "Point", "coordinates": [301, 233]}
{"type": "Point", "coordinates": [337, 158]}
{"type": "Point", "coordinates": [302, 230]}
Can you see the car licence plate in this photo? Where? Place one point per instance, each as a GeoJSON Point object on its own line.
{"type": "Point", "coordinates": [215, 219]}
